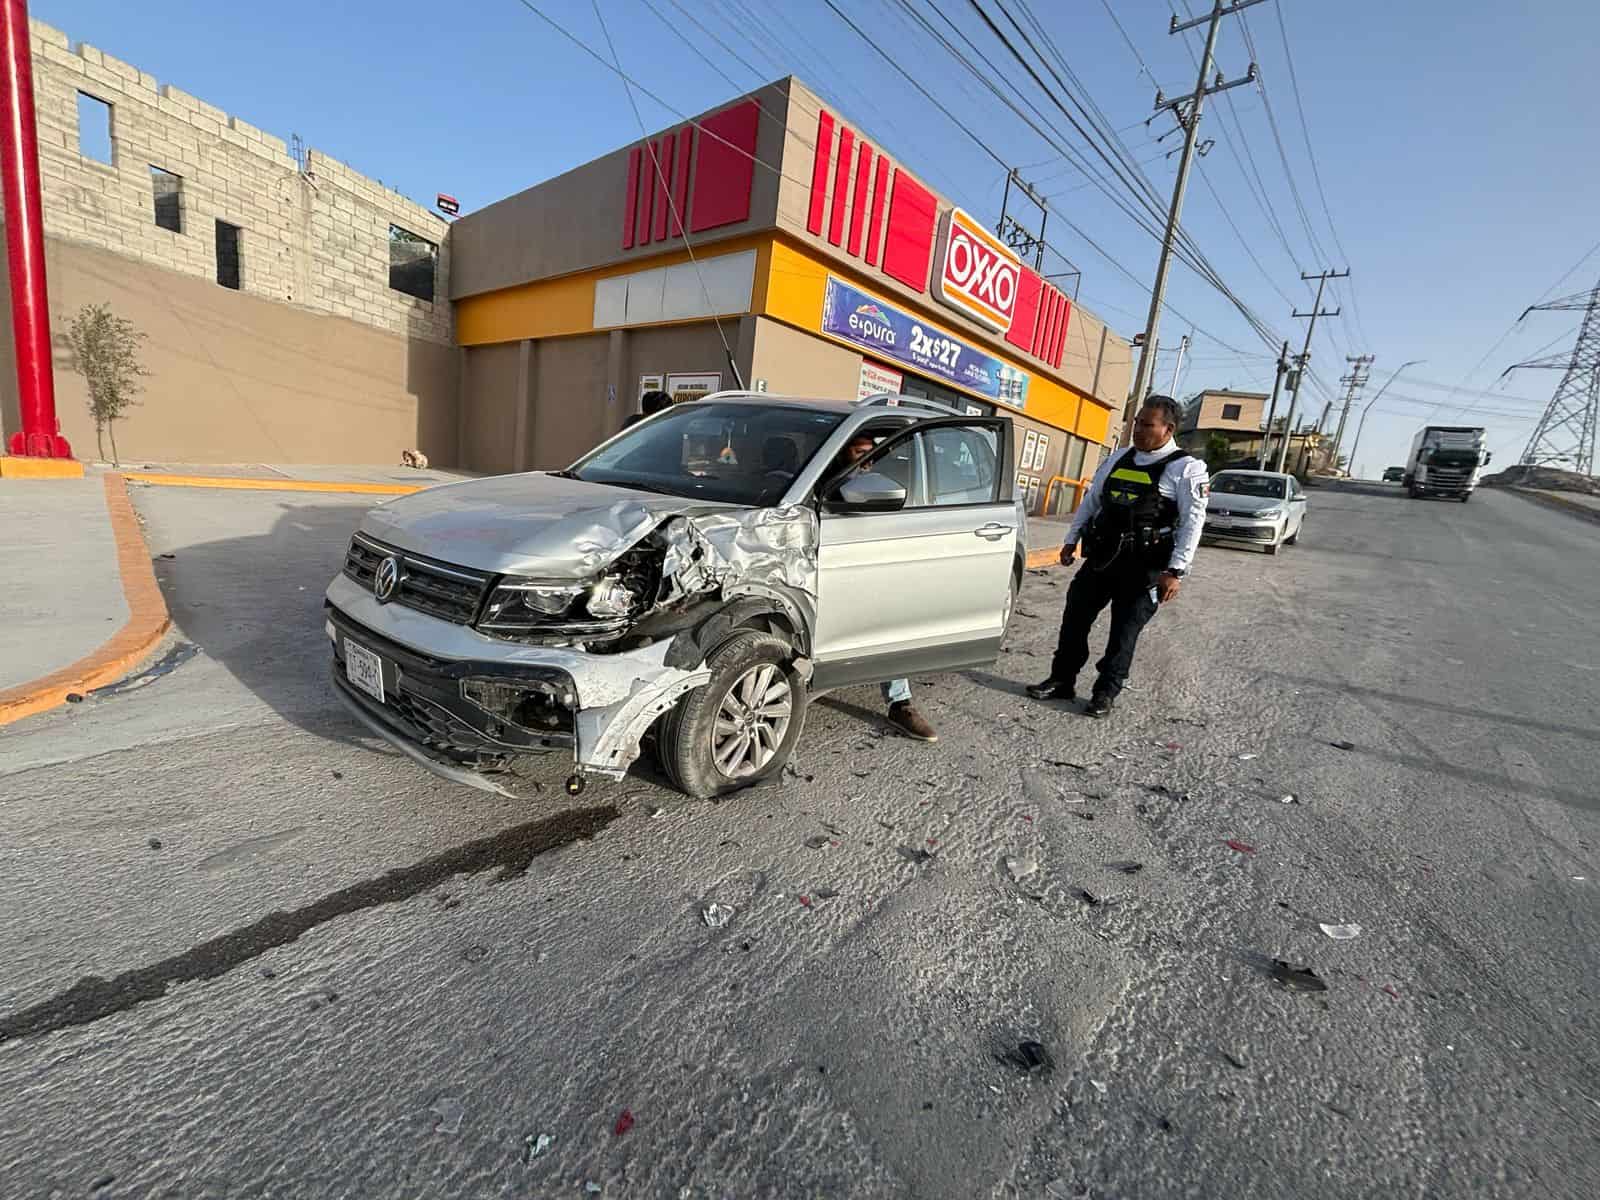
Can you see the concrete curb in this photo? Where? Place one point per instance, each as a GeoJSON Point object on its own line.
{"type": "Point", "coordinates": [276, 485]}
{"type": "Point", "coordinates": [1048, 557]}
{"type": "Point", "coordinates": [1557, 501]}
{"type": "Point", "coordinates": [147, 622]}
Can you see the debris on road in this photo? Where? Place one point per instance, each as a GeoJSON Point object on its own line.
{"type": "Point", "coordinates": [1343, 745]}
{"type": "Point", "coordinates": [1288, 798]}
{"type": "Point", "coordinates": [1021, 866]}
{"type": "Point", "coordinates": [1126, 866]}
{"type": "Point", "coordinates": [825, 893]}
{"type": "Point", "coordinates": [624, 1122]}
{"type": "Point", "coordinates": [1296, 979]}
{"type": "Point", "coordinates": [1389, 990]}
{"type": "Point", "coordinates": [914, 854]}
{"type": "Point", "coordinates": [1340, 933]}
{"type": "Point", "coordinates": [818, 842]}
{"type": "Point", "coordinates": [155, 843]}
{"type": "Point", "coordinates": [475, 953]}
{"type": "Point", "coordinates": [716, 915]}
{"type": "Point", "coordinates": [1084, 896]}
{"type": "Point", "coordinates": [533, 1147]}
{"type": "Point", "coordinates": [593, 1188]}
{"type": "Point", "coordinates": [1029, 1057]}
{"type": "Point", "coordinates": [1248, 757]}
{"type": "Point", "coordinates": [805, 901]}
{"type": "Point", "coordinates": [1233, 1060]}
{"type": "Point", "coordinates": [74, 698]}
{"type": "Point", "coordinates": [450, 1112]}
{"type": "Point", "coordinates": [1098, 1086]}
{"type": "Point", "coordinates": [1241, 847]}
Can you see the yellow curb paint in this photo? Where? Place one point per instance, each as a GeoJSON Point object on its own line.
{"type": "Point", "coordinates": [147, 622]}
{"type": "Point", "coordinates": [1043, 558]}
{"type": "Point", "coordinates": [17, 467]}
{"type": "Point", "coordinates": [276, 485]}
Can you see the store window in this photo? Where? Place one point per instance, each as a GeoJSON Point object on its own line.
{"type": "Point", "coordinates": [926, 389]}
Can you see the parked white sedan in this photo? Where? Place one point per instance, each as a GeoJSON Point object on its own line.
{"type": "Point", "coordinates": [1258, 508]}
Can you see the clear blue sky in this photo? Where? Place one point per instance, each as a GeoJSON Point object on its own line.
{"type": "Point", "coordinates": [1454, 140]}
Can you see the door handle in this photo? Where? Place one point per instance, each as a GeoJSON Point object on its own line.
{"type": "Point", "coordinates": [993, 531]}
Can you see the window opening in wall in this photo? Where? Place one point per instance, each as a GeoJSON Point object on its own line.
{"type": "Point", "coordinates": [411, 263]}
{"type": "Point", "coordinates": [94, 128]}
{"type": "Point", "coordinates": [168, 189]}
{"type": "Point", "coordinates": [228, 255]}
{"type": "Point", "coordinates": [1230, 412]}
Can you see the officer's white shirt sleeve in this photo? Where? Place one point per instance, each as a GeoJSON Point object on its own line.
{"type": "Point", "coordinates": [1192, 490]}
{"type": "Point", "coordinates": [1091, 500]}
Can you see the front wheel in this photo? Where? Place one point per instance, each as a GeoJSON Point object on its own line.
{"type": "Point", "coordinates": [1296, 538]}
{"type": "Point", "coordinates": [1465, 496]}
{"type": "Point", "coordinates": [742, 725]}
{"type": "Point", "coordinates": [1271, 547]}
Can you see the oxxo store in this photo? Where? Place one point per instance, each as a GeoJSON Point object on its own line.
{"type": "Point", "coordinates": [820, 267]}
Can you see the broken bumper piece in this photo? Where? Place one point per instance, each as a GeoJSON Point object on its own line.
{"type": "Point", "coordinates": [457, 699]}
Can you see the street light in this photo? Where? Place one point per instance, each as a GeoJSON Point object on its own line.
{"type": "Point", "coordinates": [1362, 424]}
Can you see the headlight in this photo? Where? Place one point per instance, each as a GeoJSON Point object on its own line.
{"type": "Point", "coordinates": [608, 598]}
{"type": "Point", "coordinates": [1269, 514]}
{"type": "Point", "coordinates": [519, 605]}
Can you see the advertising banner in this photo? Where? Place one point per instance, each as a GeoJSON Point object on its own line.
{"type": "Point", "coordinates": [890, 333]}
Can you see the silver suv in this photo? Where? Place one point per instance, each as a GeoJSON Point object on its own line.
{"type": "Point", "coordinates": [705, 572]}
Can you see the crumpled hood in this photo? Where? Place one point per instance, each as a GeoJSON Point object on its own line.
{"type": "Point", "coordinates": [538, 525]}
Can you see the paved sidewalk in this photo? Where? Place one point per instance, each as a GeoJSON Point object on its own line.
{"type": "Point", "coordinates": [62, 597]}
{"type": "Point", "coordinates": [316, 473]}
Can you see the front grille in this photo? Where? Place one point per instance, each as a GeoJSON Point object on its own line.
{"type": "Point", "coordinates": [1258, 533]}
{"type": "Point", "coordinates": [439, 589]}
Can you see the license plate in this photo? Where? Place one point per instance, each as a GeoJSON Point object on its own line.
{"type": "Point", "coordinates": [364, 669]}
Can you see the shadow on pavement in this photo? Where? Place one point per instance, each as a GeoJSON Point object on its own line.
{"type": "Point", "coordinates": [1481, 714]}
{"type": "Point", "coordinates": [254, 604]}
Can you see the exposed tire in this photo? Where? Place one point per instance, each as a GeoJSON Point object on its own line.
{"type": "Point", "coordinates": [714, 741]}
{"type": "Point", "coordinates": [1011, 605]}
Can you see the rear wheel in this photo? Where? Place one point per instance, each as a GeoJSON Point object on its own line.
{"type": "Point", "coordinates": [741, 726]}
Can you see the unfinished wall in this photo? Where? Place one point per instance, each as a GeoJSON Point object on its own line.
{"type": "Point", "coordinates": [313, 358]}
{"type": "Point", "coordinates": [234, 378]}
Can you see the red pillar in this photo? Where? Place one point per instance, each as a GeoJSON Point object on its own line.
{"type": "Point", "coordinates": [40, 436]}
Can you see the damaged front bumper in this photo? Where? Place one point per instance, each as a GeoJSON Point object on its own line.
{"type": "Point", "coordinates": [464, 704]}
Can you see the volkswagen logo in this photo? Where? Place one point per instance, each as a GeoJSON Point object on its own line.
{"type": "Point", "coordinates": [386, 579]}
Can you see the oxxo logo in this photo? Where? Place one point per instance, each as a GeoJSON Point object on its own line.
{"type": "Point", "coordinates": [978, 275]}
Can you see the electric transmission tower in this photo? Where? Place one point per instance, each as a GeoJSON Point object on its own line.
{"type": "Point", "coordinates": [1565, 434]}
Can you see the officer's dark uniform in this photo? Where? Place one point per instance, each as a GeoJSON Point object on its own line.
{"type": "Point", "coordinates": [1127, 544]}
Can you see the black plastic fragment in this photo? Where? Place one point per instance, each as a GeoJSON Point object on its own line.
{"type": "Point", "coordinates": [1296, 979]}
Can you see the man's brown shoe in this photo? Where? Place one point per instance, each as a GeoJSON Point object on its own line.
{"type": "Point", "coordinates": [911, 723]}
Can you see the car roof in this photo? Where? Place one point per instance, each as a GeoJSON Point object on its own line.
{"type": "Point", "coordinates": [1267, 474]}
{"type": "Point", "coordinates": [912, 405]}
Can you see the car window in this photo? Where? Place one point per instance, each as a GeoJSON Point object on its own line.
{"type": "Point", "coordinates": [738, 453]}
{"type": "Point", "coordinates": [1230, 484]}
{"type": "Point", "coordinates": [961, 465]}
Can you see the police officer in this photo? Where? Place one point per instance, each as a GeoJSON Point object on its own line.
{"type": "Point", "coordinates": [1139, 523]}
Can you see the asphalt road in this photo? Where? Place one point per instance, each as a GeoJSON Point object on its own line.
{"type": "Point", "coordinates": [321, 971]}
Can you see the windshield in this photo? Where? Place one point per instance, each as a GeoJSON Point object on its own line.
{"type": "Point", "coordinates": [1248, 485]}
{"type": "Point", "coordinates": [733, 453]}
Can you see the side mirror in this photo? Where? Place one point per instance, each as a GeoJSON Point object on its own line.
{"type": "Point", "coordinates": [866, 493]}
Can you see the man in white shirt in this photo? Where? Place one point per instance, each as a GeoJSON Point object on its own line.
{"type": "Point", "coordinates": [1139, 524]}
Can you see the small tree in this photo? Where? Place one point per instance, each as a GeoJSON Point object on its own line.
{"type": "Point", "coordinates": [1218, 448]}
{"type": "Point", "coordinates": [105, 351]}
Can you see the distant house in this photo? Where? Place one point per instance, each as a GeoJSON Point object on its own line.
{"type": "Point", "coordinates": [1239, 418]}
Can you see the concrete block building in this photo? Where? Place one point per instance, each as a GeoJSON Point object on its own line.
{"type": "Point", "coordinates": [295, 309]}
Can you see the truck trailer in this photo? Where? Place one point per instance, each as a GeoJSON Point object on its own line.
{"type": "Point", "coordinates": [1446, 460]}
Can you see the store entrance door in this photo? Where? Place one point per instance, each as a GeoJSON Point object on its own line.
{"type": "Point", "coordinates": [926, 389]}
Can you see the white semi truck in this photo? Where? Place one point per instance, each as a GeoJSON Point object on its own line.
{"type": "Point", "coordinates": [1446, 460]}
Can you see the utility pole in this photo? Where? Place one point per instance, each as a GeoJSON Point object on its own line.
{"type": "Point", "coordinates": [1305, 352]}
{"type": "Point", "coordinates": [1187, 113]}
{"type": "Point", "coordinates": [1272, 413]}
{"type": "Point", "coordinates": [1362, 424]}
{"type": "Point", "coordinates": [1361, 367]}
{"type": "Point", "coordinates": [1177, 367]}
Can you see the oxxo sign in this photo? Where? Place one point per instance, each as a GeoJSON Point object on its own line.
{"type": "Point", "coordinates": [978, 274]}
